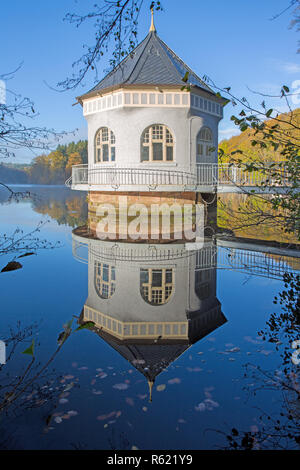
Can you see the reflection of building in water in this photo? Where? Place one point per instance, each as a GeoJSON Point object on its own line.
{"type": "Point", "coordinates": [151, 302]}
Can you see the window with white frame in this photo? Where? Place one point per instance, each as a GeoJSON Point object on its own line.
{"type": "Point", "coordinates": [156, 285]}
{"type": "Point", "coordinates": [204, 143]}
{"type": "Point", "coordinates": [105, 146]}
{"type": "Point", "coordinates": [157, 144]}
{"type": "Point", "coordinates": [105, 280]}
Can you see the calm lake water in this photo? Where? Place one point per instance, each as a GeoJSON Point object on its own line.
{"type": "Point", "coordinates": [95, 392]}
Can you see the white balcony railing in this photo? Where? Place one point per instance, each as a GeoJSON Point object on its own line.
{"type": "Point", "coordinates": [201, 175]}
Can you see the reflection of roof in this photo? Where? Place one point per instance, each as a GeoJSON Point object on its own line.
{"type": "Point", "coordinates": [149, 357]}
{"type": "Point", "coordinates": [152, 62]}
{"type": "Point", "coordinates": [152, 356]}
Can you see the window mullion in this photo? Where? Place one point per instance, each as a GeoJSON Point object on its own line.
{"type": "Point", "coordinates": [150, 145]}
{"type": "Point", "coordinates": [164, 144]}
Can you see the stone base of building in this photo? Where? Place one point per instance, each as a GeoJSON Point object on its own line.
{"type": "Point", "coordinates": [146, 198]}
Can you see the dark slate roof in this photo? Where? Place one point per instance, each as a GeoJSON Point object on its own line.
{"type": "Point", "coordinates": [151, 63]}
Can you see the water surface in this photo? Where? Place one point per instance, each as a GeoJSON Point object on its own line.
{"type": "Point", "coordinates": [95, 393]}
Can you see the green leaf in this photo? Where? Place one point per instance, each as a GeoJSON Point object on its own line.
{"type": "Point", "coordinates": [30, 350]}
{"type": "Point", "coordinates": [88, 324]}
{"type": "Point", "coordinates": [186, 77]}
{"type": "Point", "coordinates": [269, 112]}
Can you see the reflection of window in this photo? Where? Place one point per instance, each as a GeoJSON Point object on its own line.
{"type": "Point", "coordinates": [204, 143]}
{"type": "Point", "coordinates": [202, 284]}
{"type": "Point", "coordinates": [156, 285]}
{"type": "Point", "coordinates": [105, 280]}
{"type": "Point", "coordinates": [105, 150]}
{"type": "Point", "coordinates": [157, 144]}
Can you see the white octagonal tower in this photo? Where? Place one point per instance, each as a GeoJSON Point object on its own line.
{"type": "Point", "coordinates": [152, 126]}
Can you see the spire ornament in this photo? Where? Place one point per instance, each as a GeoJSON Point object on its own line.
{"type": "Point", "coordinates": [152, 27]}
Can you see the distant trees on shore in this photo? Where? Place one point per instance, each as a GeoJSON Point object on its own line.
{"type": "Point", "coordinates": [53, 168]}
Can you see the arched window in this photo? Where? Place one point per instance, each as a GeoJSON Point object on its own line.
{"type": "Point", "coordinates": [156, 285]}
{"type": "Point", "coordinates": [157, 144]}
{"type": "Point", "coordinates": [105, 146]}
{"type": "Point", "coordinates": [105, 280]}
{"type": "Point", "coordinates": [204, 143]}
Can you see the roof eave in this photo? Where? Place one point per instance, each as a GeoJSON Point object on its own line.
{"type": "Point", "coordinates": [121, 86]}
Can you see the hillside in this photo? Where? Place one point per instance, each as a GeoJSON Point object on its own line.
{"type": "Point", "coordinates": [243, 140]}
{"type": "Point", "coordinates": [53, 168]}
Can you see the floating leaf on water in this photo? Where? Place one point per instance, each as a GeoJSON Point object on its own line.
{"type": "Point", "coordinates": [251, 340]}
{"type": "Point", "coordinates": [232, 350]}
{"type": "Point", "coordinates": [161, 388]}
{"type": "Point", "coordinates": [176, 380]}
{"type": "Point", "coordinates": [142, 397]}
{"type": "Point", "coordinates": [194, 369]}
{"type": "Point", "coordinates": [121, 386]}
{"type": "Point", "coordinates": [266, 353]}
{"type": "Point", "coordinates": [62, 401]}
{"type": "Point", "coordinates": [107, 416]}
{"type": "Point", "coordinates": [200, 407]}
{"type": "Point", "coordinates": [69, 386]}
{"type": "Point", "coordinates": [145, 408]}
{"type": "Point", "coordinates": [102, 375]}
{"type": "Point", "coordinates": [129, 401]}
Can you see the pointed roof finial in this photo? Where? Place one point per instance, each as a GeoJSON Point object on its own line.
{"type": "Point", "coordinates": [152, 27]}
{"type": "Point", "coordinates": [150, 383]}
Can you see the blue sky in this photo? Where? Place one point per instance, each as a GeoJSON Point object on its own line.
{"type": "Point", "coordinates": [233, 42]}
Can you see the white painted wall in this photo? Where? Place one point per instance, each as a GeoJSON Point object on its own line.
{"type": "Point", "coordinates": [128, 124]}
{"type": "Point", "coordinates": [127, 304]}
